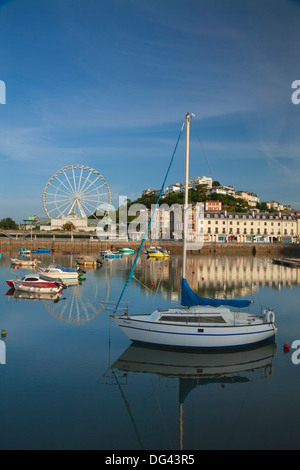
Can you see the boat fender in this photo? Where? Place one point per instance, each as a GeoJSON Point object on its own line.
{"type": "Point", "coordinates": [270, 316]}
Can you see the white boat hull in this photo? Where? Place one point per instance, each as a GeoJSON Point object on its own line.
{"type": "Point", "coordinates": [194, 336]}
{"type": "Point", "coordinates": [59, 275]}
{"type": "Point", "coordinates": [30, 288]}
{"type": "Point", "coordinates": [23, 262]}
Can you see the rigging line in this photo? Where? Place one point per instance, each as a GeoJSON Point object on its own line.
{"type": "Point", "coordinates": [144, 285]}
{"type": "Point", "coordinates": [204, 152]}
{"type": "Point", "coordinates": [149, 225]}
{"type": "Point", "coordinates": [128, 408]}
{"type": "Point", "coordinates": [158, 285]}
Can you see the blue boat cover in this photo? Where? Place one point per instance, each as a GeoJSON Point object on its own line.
{"type": "Point", "coordinates": [66, 270]}
{"type": "Point", "coordinates": [189, 298]}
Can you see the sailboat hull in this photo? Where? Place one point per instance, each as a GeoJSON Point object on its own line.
{"type": "Point", "coordinates": [194, 337]}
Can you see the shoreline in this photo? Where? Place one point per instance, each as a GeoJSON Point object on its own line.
{"type": "Point", "coordinates": [95, 246]}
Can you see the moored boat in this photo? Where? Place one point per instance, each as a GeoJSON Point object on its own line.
{"type": "Point", "coordinates": [36, 283]}
{"type": "Point", "coordinates": [88, 261]}
{"type": "Point", "coordinates": [158, 252]}
{"type": "Point", "coordinates": [198, 322]}
{"type": "Point", "coordinates": [60, 272]}
{"type": "Point", "coordinates": [24, 262]}
{"type": "Point", "coordinates": [24, 251]}
{"type": "Point", "coordinates": [126, 251]}
{"type": "Point", "coordinates": [110, 254]}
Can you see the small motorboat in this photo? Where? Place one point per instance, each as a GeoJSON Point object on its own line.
{"type": "Point", "coordinates": [157, 252]}
{"type": "Point", "coordinates": [24, 251]}
{"type": "Point", "coordinates": [36, 283]}
{"type": "Point", "coordinates": [126, 251]}
{"type": "Point", "coordinates": [89, 261]}
{"type": "Point", "coordinates": [43, 250]}
{"type": "Point", "coordinates": [59, 272]}
{"type": "Point", "coordinates": [110, 254]}
{"type": "Point", "coordinates": [24, 262]}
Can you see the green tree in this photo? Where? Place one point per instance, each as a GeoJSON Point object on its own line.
{"type": "Point", "coordinates": [262, 206]}
{"type": "Point", "coordinates": [8, 224]}
{"type": "Point", "coordinates": [69, 226]}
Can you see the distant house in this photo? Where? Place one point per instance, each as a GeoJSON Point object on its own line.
{"type": "Point", "coordinates": [251, 198]}
{"type": "Point", "coordinates": [277, 206]}
{"type": "Point", "coordinates": [213, 206]}
{"type": "Point", "coordinates": [227, 190]}
{"type": "Point", "coordinates": [173, 188]}
{"type": "Point", "coordinates": [149, 191]}
{"type": "Point", "coordinates": [195, 180]}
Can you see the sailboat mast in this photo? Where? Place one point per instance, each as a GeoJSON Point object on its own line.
{"type": "Point", "coordinates": [186, 189]}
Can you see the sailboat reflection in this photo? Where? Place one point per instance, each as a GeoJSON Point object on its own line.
{"type": "Point", "coordinates": [197, 368]}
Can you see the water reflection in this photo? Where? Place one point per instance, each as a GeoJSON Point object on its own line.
{"type": "Point", "coordinates": [77, 304]}
{"type": "Point", "coordinates": [190, 370]}
{"type": "Point", "coordinates": [237, 276]}
{"type": "Point", "coordinates": [212, 276]}
{"type": "Point", "coordinates": [16, 294]}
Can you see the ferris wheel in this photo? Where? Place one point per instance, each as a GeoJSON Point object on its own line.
{"type": "Point", "coordinates": [76, 189]}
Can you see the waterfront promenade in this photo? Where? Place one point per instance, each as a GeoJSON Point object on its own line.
{"type": "Point", "coordinates": [88, 245]}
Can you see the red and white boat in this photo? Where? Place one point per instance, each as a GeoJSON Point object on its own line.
{"type": "Point", "coordinates": [36, 283]}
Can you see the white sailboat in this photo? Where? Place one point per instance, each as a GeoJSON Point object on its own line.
{"type": "Point", "coordinates": [198, 322]}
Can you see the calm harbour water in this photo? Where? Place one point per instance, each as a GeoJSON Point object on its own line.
{"type": "Point", "coordinates": [72, 380]}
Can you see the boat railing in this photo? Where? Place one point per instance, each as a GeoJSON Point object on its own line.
{"type": "Point", "coordinates": [111, 307]}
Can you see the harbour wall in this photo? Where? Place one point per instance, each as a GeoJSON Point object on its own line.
{"type": "Point", "coordinates": [95, 246]}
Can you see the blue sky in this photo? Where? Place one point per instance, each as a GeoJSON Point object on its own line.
{"type": "Point", "coordinates": [107, 83]}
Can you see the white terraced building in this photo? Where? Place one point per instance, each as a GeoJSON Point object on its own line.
{"type": "Point", "coordinates": [223, 226]}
